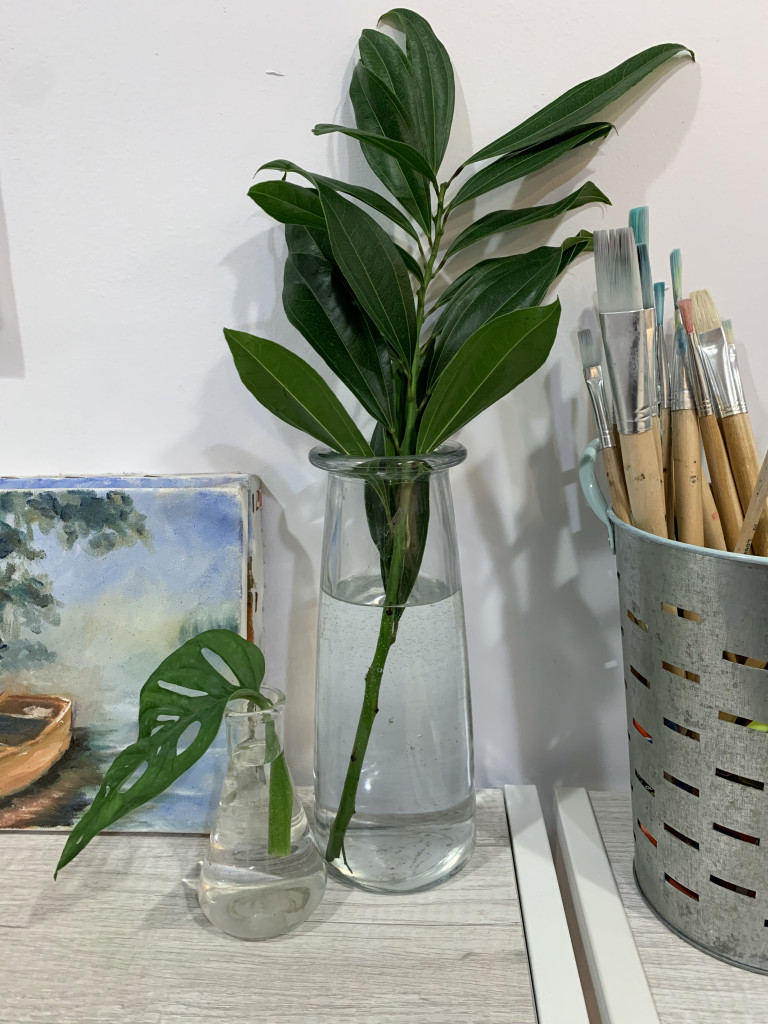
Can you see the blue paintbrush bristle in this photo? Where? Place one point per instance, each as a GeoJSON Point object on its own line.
{"type": "Point", "coordinates": [638, 221]}
{"type": "Point", "coordinates": [659, 289]}
{"type": "Point", "coordinates": [646, 277]}
{"type": "Point", "coordinates": [676, 267]}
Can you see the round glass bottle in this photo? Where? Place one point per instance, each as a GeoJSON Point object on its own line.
{"type": "Point", "coordinates": [263, 874]}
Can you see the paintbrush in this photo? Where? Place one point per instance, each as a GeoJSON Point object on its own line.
{"type": "Point", "coordinates": [593, 376]}
{"type": "Point", "coordinates": [730, 407]}
{"type": "Point", "coordinates": [713, 528]}
{"type": "Point", "coordinates": [663, 395]}
{"type": "Point", "coordinates": [625, 327]}
{"type": "Point", "coordinates": [733, 359]}
{"type": "Point", "coordinates": [686, 449]}
{"type": "Point", "coordinates": [723, 486]}
{"type": "Point", "coordinates": [676, 270]}
{"type": "Point", "coordinates": [754, 511]}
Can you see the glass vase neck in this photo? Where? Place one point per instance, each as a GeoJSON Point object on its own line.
{"type": "Point", "coordinates": [257, 727]}
{"type": "Point", "coordinates": [389, 467]}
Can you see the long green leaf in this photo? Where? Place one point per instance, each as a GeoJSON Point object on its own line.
{"type": "Point", "coordinates": [433, 94]}
{"type": "Point", "coordinates": [184, 692]}
{"type": "Point", "coordinates": [500, 286]}
{"type": "Point", "coordinates": [412, 265]}
{"type": "Point", "coordinates": [508, 220]}
{"type": "Point", "coordinates": [581, 102]}
{"type": "Point", "coordinates": [510, 168]}
{"type": "Point", "coordinates": [294, 392]}
{"type": "Point", "coordinates": [374, 270]}
{"type": "Point", "coordinates": [365, 195]}
{"type": "Point", "coordinates": [288, 203]}
{"type": "Point", "coordinates": [318, 302]}
{"type": "Point", "coordinates": [498, 357]}
{"type": "Point", "coordinates": [401, 151]}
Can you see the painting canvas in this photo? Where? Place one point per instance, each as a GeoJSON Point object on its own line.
{"type": "Point", "coordinates": [100, 580]}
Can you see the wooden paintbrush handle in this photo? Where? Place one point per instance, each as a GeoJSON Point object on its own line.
{"type": "Point", "coordinates": [745, 464]}
{"type": "Point", "coordinates": [667, 472]}
{"type": "Point", "coordinates": [723, 486]}
{"type": "Point", "coordinates": [713, 528]}
{"type": "Point", "coordinates": [755, 510]}
{"type": "Point", "coordinates": [644, 487]}
{"type": "Point", "coordinates": [616, 485]}
{"type": "Point", "coordinates": [686, 459]}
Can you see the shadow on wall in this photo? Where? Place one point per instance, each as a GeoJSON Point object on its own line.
{"type": "Point", "coordinates": [11, 356]}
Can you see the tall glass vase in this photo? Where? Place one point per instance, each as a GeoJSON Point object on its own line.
{"type": "Point", "coordinates": [394, 792]}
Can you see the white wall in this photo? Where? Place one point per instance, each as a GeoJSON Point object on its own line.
{"type": "Point", "coordinates": [130, 134]}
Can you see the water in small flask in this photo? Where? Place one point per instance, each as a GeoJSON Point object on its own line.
{"type": "Point", "coordinates": [257, 881]}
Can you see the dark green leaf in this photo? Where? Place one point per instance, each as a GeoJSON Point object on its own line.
{"type": "Point", "coordinates": [294, 392]}
{"type": "Point", "coordinates": [500, 286]}
{"type": "Point", "coordinates": [309, 241]}
{"type": "Point", "coordinates": [397, 512]}
{"type": "Point", "coordinates": [374, 270]}
{"type": "Point", "coordinates": [580, 102]}
{"type": "Point", "coordinates": [498, 357]}
{"type": "Point", "coordinates": [365, 195]}
{"type": "Point", "coordinates": [507, 220]}
{"type": "Point", "coordinates": [288, 203]}
{"type": "Point", "coordinates": [432, 76]}
{"type": "Point", "coordinates": [575, 246]}
{"type": "Point", "coordinates": [318, 302]}
{"type": "Point", "coordinates": [401, 151]}
{"type": "Point", "coordinates": [412, 265]}
{"type": "Point", "coordinates": [510, 168]}
{"type": "Point", "coordinates": [165, 714]}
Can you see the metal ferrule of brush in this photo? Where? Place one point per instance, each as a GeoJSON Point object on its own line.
{"type": "Point", "coordinates": [704, 402]}
{"type": "Point", "coordinates": [736, 374]}
{"type": "Point", "coordinates": [625, 340]}
{"type": "Point", "coordinates": [717, 365]}
{"type": "Point", "coordinates": [650, 334]}
{"type": "Point", "coordinates": [593, 375]}
{"type": "Point", "coordinates": [662, 370]}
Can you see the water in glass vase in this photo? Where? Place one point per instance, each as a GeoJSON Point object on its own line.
{"type": "Point", "coordinates": [414, 820]}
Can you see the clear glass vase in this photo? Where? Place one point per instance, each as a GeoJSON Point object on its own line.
{"type": "Point", "coordinates": [394, 792]}
{"type": "Point", "coordinates": [263, 874]}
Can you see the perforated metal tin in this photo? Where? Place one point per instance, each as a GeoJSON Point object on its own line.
{"type": "Point", "coordinates": [694, 628]}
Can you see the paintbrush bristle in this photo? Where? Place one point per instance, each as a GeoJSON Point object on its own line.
{"type": "Point", "coordinates": [705, 314]}
{"type": "Point", "coordinates": [729, 335]}
{"type": "Point", "coordinates": [681, 343]}
{"type": "Point", "coordinates": [617, 272]}
{"type": "Point", "coordinates": [646, 277]}
{"type": "Point", "coordinates": [638, 221]}
{"type": "Point", "coordinates": [676, 267]}
{"type": "Point", "coordinates": [590, 350]}
{"type": "Point", "coordinates": [686, 313]}
{"type": "Point", "coordinates": [658, 300]}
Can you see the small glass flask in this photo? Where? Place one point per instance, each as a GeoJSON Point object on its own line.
{"type": "Point", "coordinates": [263, 874]}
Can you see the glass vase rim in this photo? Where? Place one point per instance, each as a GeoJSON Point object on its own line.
{"type": "Point", "coordinates": [277, 697]}
{"type": "Point", "coordinates": [444, 457]}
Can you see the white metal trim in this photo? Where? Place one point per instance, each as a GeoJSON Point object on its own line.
{"type": "Point", "coordinates": [554, 975]}
{"type": "Point", "coordinates": [621, 988]}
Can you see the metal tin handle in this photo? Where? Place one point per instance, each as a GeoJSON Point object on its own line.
{"type": "Point", "coordinates": [591, 488]}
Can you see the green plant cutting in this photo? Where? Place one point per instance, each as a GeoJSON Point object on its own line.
{"type": "Point", "coordinates": [369, 283]}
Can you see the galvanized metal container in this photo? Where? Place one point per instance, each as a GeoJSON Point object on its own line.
{"type": "Point", "coordinates": [694, 626]}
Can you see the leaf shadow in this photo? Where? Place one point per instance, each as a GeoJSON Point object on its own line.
{"type": "Point", "coordinates": [560, 689]}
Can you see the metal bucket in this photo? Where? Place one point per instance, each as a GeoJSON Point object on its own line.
{"type": "Point", "coordinates": [694, 626]}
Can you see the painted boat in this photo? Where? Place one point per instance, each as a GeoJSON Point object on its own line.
{"type": "Point", "coordinates": [35, 730]}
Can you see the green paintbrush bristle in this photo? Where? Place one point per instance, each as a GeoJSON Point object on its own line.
{"type": "Point", "coordinates": [590, 350]}
{"type": "Point", "coordinates": [638, 221]}
{"type": "Point", "coordinates": [676, 267]}
{"type": "Point", "coordinates": [659, 289]}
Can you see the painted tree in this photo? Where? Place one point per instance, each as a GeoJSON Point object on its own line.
{"type": "Point", "coordinates": [96, 524]}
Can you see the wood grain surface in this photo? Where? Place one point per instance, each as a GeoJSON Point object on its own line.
{"type": "Point", "coordinates": [688, 986]}
{"type": "Point", "coordinates": [120, 938]}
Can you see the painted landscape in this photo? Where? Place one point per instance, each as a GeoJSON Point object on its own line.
{"type": "Point", "coordinates": [101, 579]}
